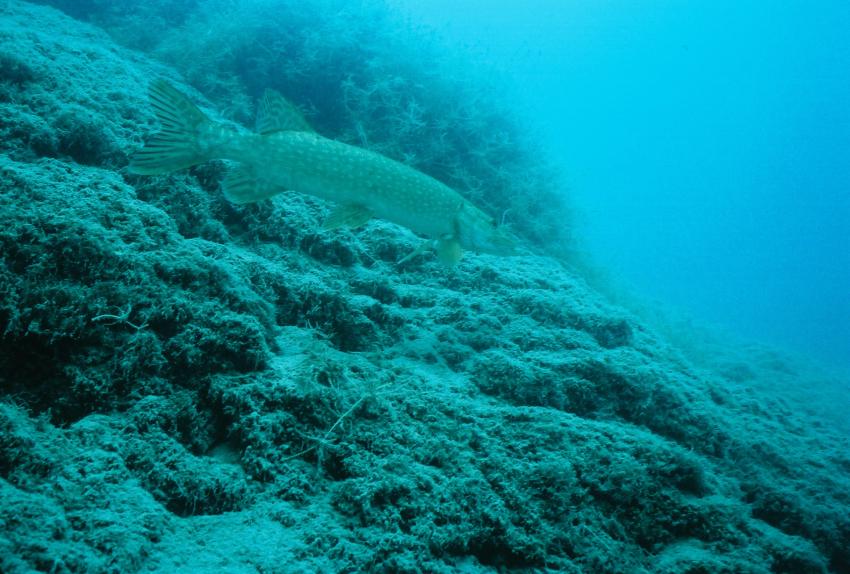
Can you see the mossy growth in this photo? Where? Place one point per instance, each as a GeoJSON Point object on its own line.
{"type": "Point", "coordinates": [364, 76]}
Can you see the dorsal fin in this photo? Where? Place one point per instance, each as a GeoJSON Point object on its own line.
{"type": "Point", "coordinates": [276, 113]}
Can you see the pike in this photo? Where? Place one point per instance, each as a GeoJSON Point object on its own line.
{"type": "Point", "coordinates": [286, 154]}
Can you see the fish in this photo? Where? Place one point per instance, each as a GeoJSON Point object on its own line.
{"type": "Point", "coordinates": [285, 154]}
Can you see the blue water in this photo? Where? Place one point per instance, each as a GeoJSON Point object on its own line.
{"type": "Point", "coordinates": [192, 384]}
{"type": "Point", "coordinates": [707, 146]}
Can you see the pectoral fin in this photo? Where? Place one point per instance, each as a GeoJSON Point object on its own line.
{"type": "Point", "coordinates": [347, 216]}
{"type": "Point", "coordinates": [241, 185]}
{"type": "Point", "coordinates": [422, 247]}
{"type": "Point", "coordinates": [449, 250]}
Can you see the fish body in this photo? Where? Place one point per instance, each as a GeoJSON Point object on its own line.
{"type": "Point", "coordinates": [287, 155]}
{"type": "Point", "coordinates": [349, 175]}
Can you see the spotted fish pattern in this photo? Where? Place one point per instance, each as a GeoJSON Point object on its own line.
{"type": "Point", "coordinates": [285, 154]}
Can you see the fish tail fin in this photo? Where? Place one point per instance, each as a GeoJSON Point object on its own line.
{"type": "Point", "coordinates": [179, 144]}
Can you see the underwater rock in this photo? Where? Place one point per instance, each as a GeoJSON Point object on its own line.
{"type": "Point", "coordinates": [187, 385]}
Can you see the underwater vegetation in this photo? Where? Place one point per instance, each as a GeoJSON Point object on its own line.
{"type": "Point", "coordinates": [189, 385]}
{"type": "Point", "coordinates": [360, 79]}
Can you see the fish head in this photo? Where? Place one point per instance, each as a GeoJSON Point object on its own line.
{"type": "Point", "coordinates": [477, 231]}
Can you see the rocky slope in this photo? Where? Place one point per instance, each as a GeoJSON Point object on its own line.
{"type": "Point", "coordinates": [192, 386]}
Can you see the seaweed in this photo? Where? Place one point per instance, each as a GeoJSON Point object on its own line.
{"type": "Point", "coordinates": [191, 385]}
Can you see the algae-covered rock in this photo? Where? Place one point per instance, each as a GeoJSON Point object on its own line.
{"type": "Point", "coordinates": [101, 293]}
{"type": "Point", "coordinates": [187, 385]}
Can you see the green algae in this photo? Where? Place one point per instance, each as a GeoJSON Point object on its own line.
{"type": "Point", "coordinates": [192, 386]}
